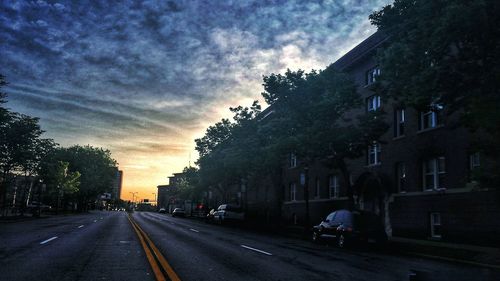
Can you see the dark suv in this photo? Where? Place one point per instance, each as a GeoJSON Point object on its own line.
{"type": "Point", "coordinates": [344, 227]}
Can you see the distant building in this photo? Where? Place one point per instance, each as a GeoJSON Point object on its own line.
{"type": "Point", "coordinates": [117, 185]}
{"type": "Point", "coordinates": [167, 194]}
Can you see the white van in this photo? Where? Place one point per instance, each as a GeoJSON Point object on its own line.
{"type": "Point", "coordinates": [227, 212]}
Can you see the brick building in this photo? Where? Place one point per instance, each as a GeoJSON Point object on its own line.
{"type": "Point", "coordinates": [417, 179]}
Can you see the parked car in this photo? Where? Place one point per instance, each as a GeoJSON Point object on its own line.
{"type": "Point", "coordinates": [162, 210]}
{"type": "Point", "coordinates": [227, 212]}
{"type": "Point", "coordinates": [178, 212]}
{"type": "Point", "coordinates": [346, 227]}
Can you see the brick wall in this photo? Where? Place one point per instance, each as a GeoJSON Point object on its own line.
{"type": "Point", "coordinates": [468, 217]}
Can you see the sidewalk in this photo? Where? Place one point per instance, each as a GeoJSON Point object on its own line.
{"type": "Point", "coordinates": [471, 254]}
{"type": "Point", "coordinates": [464, 253]}
{"type": "Point", "coordinates": [16, 218]}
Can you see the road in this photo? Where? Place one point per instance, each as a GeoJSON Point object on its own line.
{"type": "Point", "coordinates": [105, 246]}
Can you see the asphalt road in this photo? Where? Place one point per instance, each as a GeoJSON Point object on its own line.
{"type": "Point", "coordinates": [105, 246]}
{"type": "Point", "coordinates": [95, 246]}
{"type": "Point", "coordinates": [200, 251]}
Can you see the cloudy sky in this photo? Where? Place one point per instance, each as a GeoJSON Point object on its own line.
{"type": "Point", "coordinates": [145, 78]}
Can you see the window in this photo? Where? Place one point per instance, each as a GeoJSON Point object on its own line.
{"type": "Point", "coordinates": [436, 225]}
{"type": "Point", "coordinates": [399, 122]}
{"type": "Point", "coordinates": [372, 74]}
{"type": "Point", "coordinates": [333, 184]}
{"type": "Point", "coordinates": [401, 176]}
{"type": "Point", "coordinates": [293, 192]}
{"type": "Point", "coordinates": [431, 119]}
{"type": "Point", "coordinates": [373, 103]}
{"type": "Point", "coordinates": [318, 186]}
{"type": "Point", "coordinates": [374, 154]}
{"type": "Point", "coordinates": [474, 162]}
{"type": "Point", "coordinates": [293, 160]}
{"type": "Point", "coordinates": [433, 173]}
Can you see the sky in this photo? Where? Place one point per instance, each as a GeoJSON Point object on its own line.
{"type": "Point", "coordinates": [145, 78]}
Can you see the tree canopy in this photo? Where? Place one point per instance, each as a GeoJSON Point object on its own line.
{"type": "Point", "coordinates": [445, 52]}
{"type": "Point", "coordinates": [95, 167]}
{"type": "Point", "coordinates": [310, 114]}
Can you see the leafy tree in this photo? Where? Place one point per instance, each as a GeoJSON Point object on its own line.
{"type": "Point", "coordinates": [445, 52]}
{"type": "Point", "coordinates": [315, 118]}
{"type": "Point", "coordinates": [4, 113]}
{"type": "Point", "coordinates": [22, 149]}
{"type": "Point", "coordinates": [227, 150]}
{"type": "Point", "coordinates": [65, 180]}
{"type": "Point", "coordinates": [95, 166]}
{"type": "Point", "coordinates": [188, 186]}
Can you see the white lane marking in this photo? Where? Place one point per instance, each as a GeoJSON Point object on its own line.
{"type": "Point", "coordinates": [48, 240]}
{"type": "Point", "coordinates": [81, 226]}
{"type": "Point", "coordinates": [194, 230]}
{"type": "Point", "coordinates": [101, 218]}
{"type": "Point", "coordinates": [257, 250]}
{"type": "Point", "coordinates": [95, 220]}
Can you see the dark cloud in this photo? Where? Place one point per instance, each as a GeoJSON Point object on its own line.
{"type": "Point", "coordinates": [114, 74]}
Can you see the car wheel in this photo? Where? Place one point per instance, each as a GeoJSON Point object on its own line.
{"type": "Point", "coordinates": [341, 241]}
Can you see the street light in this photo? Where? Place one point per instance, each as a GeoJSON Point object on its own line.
{"type": "Point", "coordinates": [156, 202]}
{"type": "Point", "coordinates": [133, 197]}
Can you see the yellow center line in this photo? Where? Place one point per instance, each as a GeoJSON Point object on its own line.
{"type": "Point", "coordinates": [154, 266]}
{"type": "Point", "coordinates": [163, 262]}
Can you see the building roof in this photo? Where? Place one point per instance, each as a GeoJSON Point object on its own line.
{"type": "Point", "coordinates": [360, 51]}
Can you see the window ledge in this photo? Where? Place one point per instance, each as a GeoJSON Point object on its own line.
{"type": "Point", "coordinates": [399, 137]}
{"type": "Point", "coordinates": [430, 129]}
{"type": "Point", "coordinates": [374, 165]}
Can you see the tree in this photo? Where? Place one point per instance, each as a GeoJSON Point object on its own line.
{"type": "Point", "coordinates": [4, 113]}
{"type": "Point", "coordinates": [228, 149]}
{"type": "Point", "coordinates": [22, 149]}
{"type": "Point", "coordinates": [65, 182]}
{"type": "Point", "coordinates": [315, 119]}
{"type": "Point", "coordinates": [188, 185]}
{"type": "Point", "coordinates": [95, 166]}
{"type": "Point", "coordinates": [445, 52]}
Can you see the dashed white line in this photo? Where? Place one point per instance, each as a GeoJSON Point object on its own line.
{"type": "Point", "coordinates": [257, 250]}
{"type": "Point", "coordinates": [81, 226]}
{"type": "Point", "coordinates": [194, 230]}
{"type": "Point", "coordinates": [48, 240]}
{"type": "Point", "coordinates": [95, 220]}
